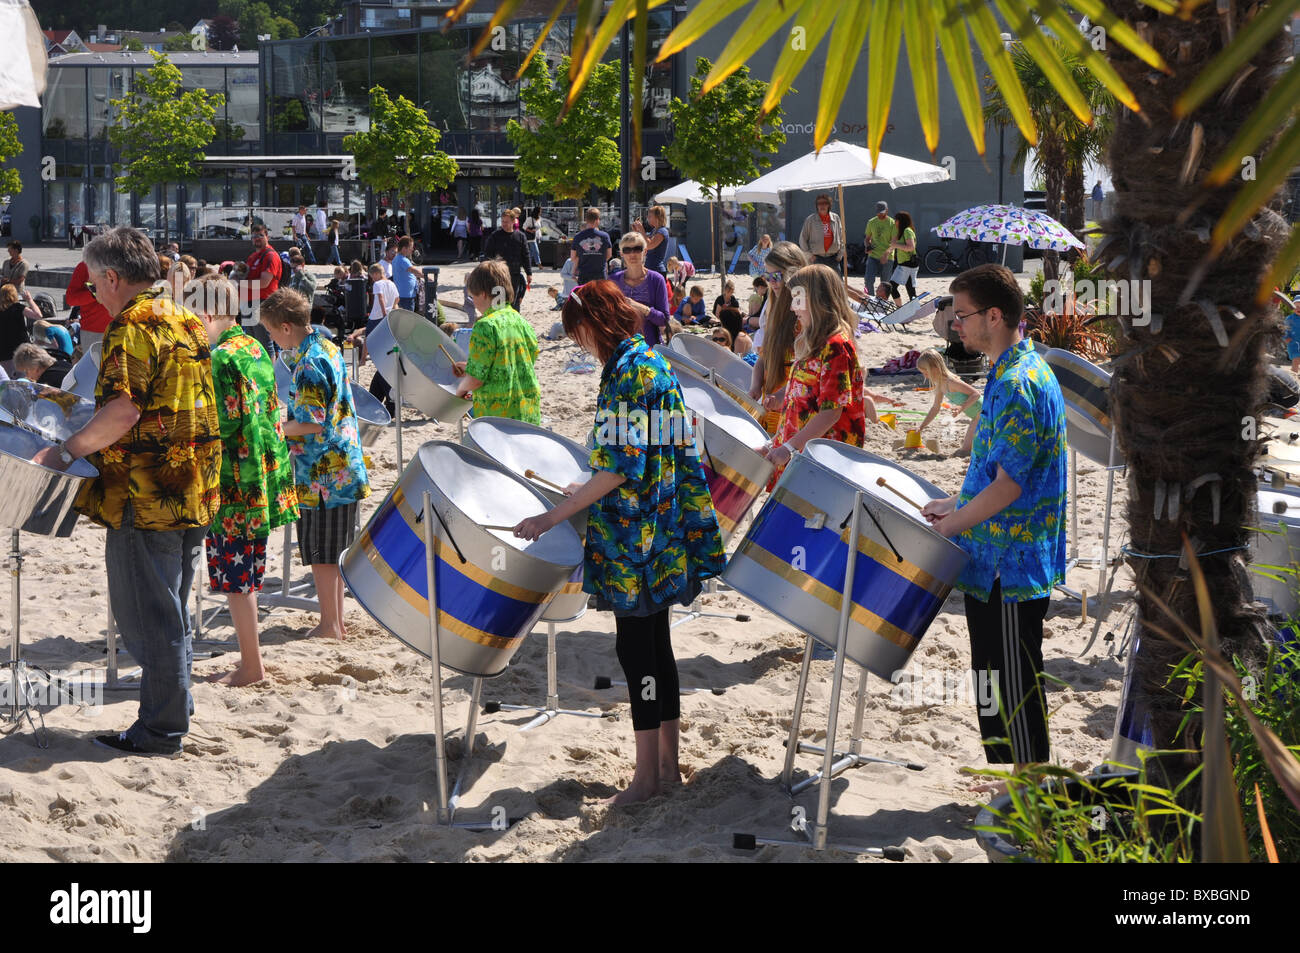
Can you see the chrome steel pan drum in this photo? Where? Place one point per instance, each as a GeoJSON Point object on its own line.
{"type": "Point", "coordinates": [1133, 729]}
{"type": "Point", "coordinates": [488, 602]}
{"type": "Point", "coordinates": [54, 414]}
{"type": "Point", "coordinates": [723, 363]}
{"type": "Point", "coordinates": [37, 499]}
{"type": "Point", "coordinates": [793, 559]}
{"type": "Point", "coordinates": [1275, 551]}
{"type": "Point", "coordinates": [728, 440]}
{"type": "Point", "coordinates": [520, 447]}
{"type": "Point", "coordinates": [428, 383]}
{"type": "Point", "coordinates": [372, 416]}
{"type": "Point", "coordinates": [81, 379]}
{"type": "Point", "coordinates": [1086, 389]}
{"type": "Point", "coordinates": [682, 364]}
{"type": "Point", "coordinates": [865, 468]}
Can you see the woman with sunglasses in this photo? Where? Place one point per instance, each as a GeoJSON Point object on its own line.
{"type": "Point", "coordinates": [646, 291]}
{"type": "Point", "coordinates": [775, 336]}
{"type": "Point", "coordinates": [652, 532]}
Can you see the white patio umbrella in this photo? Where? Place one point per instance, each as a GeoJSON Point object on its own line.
{"type": "Point", "coordinates": [838, 166]}
{"type": "Point", "coordinates": [692, 191]}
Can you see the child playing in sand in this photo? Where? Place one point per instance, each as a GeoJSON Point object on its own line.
{"type": "Point", "coordinates": [325, 447]}
{"type": "Point", "coordinates": [692, 310]}
{"type": "Point", "coordinates": [946, 384]}
{"type": "Point", "coordinates": [502, 351]}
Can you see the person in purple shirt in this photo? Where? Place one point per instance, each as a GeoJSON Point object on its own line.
{"type": "Point", "coordinates": [646, 290]}
{"type": "Point", "coordinates": [405, 276]}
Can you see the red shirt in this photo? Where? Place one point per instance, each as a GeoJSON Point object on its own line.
{"type": "Point", "coordinates": [827, 380]}
{"type": "Point", "coordinates": [94, 316]}
{"type": "Point", "coordinates": [828, 233]}
{"type": "Point", "coordinates": [268, 262]}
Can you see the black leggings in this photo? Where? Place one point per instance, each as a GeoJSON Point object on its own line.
{"type": "Point", "coordinates": [645, 650]}
{"type": "Point", "coordinates": [910, 286]}
{"type": "Point", "coordinates": [380, 389]}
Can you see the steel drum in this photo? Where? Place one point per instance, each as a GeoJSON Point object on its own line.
{"type": "Point", "coordinates": [54, 414]}
{"type": "Point", "coordinates": [519, 447]}
{"type": "Point", "coordinates": [723, 363]}
{"type": "Point", "coordinates": [1086, 389]}
{"type": "Point", "coordinates": [489, 601]}
{"type": "Point", "coordinates": [728, 438]}
{"type": "Point", "coordinates": [37, 499]}
{"type": "Point", "coordinates": [1275, 551]}
{"type": "Point", "coordinates": [793, 559]}
{"type": "Point", "coordinates": [1133, 729]}
{"type": "Point", "coordinates": [81, 379]}
{"type": "Point", "coordinates": [373, 417]}
{"type": "Point", "coordinates": [428, 383]}
{"type": "Point", "coordinates": [683, 364]}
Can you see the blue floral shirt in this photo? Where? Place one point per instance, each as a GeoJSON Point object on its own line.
{"type": "Point", "coordinates": [658, 529]}
{"type": "Point", "coordinates": [329, 468]}
{"type": "Point", "coordinates": [1021, 429]}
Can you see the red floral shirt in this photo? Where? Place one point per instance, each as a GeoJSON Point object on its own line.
{"type": "Point", "coordinates": [826, 380]}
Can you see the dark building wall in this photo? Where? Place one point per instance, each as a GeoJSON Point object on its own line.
{"type": "Point", "coordinates": [26, 205]}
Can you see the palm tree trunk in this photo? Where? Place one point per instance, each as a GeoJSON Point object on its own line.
{"type": "Point", "coordinates": [1179, 398]}
{"type": "Point", "coordinates": [1052, 158]}
{"type": "Point", "coordinates": [1074, 198]}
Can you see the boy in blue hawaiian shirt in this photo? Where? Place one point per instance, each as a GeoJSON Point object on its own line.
{"type": "Point", "coordinates": [1010, 514]}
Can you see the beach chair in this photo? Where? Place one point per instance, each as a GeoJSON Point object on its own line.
{"type": "Point", "coordinates": [872, 309]}
{"type": "Point", "coordinates": [922, 306]}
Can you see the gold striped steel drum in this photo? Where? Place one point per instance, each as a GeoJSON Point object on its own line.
{"type": "Point", "coordinates": [428, 383]}
{"type": "Point", "coordinates": [491, 587]}
{"type": "Point", "coordinates": [1086, 389]}
{"type": "Point", "coordinates": [728, 439]}
{"type": "Point", "coordinates": [373, 417]}
{"type": "Point", "coordinates": [521, 447]}
{"type": "Point", "coordinates": [684, 364]}
{"type": "Point", "coordinates": [793, 559]}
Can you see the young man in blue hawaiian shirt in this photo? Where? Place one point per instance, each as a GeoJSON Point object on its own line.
{"type": "Point", "coordinates": [1009, 516]}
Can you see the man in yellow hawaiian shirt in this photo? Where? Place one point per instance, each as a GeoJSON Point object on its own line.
{"type": "Point", "coordinates": [156, 441]}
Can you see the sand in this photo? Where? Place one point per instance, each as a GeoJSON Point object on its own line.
{"type": "Point", "coordinates": [331, 758]}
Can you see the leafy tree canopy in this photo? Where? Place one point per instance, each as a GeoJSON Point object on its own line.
{"type": "Point", "coordinates": [400, 151]}
{"type": "Point", "coordinates": [10, 182]}
{"type": "Point", "coordinates": [566, 156]}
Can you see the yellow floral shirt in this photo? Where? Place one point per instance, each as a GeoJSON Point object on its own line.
{"type": "Point", "coordinates": [168, 466]}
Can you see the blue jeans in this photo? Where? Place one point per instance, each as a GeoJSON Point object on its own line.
{"type": "Point", "coordinates": [150, 574]}
{"type": "Point", "coordinates": [334, 255]}
{"type": "Point", "coordinates": [534, 254]}
{"type": "Point", "coordinates": [406, 304]}
{"type": "Point", "coordinates": [875, 271]}
{"type": "Point", "coordinates": [303, 242]}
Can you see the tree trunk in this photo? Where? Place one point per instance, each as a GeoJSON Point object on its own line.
{"type": "Point", "coordinates": [167, 235]}
{"type": "Point", "coordinates": [1179, 397]}
{"type": "Point", "coordinates": [1052, 160]}
{"type": "Point", "coordinates": [1074, 203]}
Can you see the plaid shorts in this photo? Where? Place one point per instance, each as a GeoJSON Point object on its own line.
{"type": "Point", "coordinates": [235, 563]}
{"type": "Point", "coordinates": [323, 533]}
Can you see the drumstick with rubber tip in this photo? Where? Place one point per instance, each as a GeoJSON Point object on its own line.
{"type": "Point", "coordinates": [532, 475]}
{"type": "Point", "coordinates": [881, 481]}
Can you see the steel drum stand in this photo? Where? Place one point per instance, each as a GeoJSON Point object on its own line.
{"type": "Point", "coordinates": [817, 834]}
{"type": "Point", "coordinates": [446, 811]}
{"type": "Point", "coordinates": [691, 613]}
{"type": "Point", "coordinates": [1102, 562]}
{"type": "Point", "coordinates": [551, 709]}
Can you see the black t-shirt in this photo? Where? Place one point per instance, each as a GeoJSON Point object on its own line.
{"type": "Point", "coordinates": [724, 301]}
{"type": "Point", "coordinates": [511, 248]}
{"type": "Point", "coordinates": [13, 330]}
{"type": "Point", "coordinates": [54, 375]}
{"type": "Point", "coordinates": [591, 245]}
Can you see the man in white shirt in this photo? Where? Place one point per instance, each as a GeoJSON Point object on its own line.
{"type": "Point", "coordinates": [386, 263]}
{"type": "Point", "coordinates": [300, 235]}
{"type": "Point", "coordinates": [322, 225]}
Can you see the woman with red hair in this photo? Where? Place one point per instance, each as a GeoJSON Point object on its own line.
{"type": "Point", "coordinates": [652, 533]}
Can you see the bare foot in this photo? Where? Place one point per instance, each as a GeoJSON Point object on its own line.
{"type": "Point", "coordinates": [633, 795]}
{"type": "Point", "coordinates": [670, 778]}
{"type": "Point", "coordinates": [239, 677]}
{"type": "Point", "coordinates": [323, 632]}
{"type": "Point", "coordinates": [995, 788]}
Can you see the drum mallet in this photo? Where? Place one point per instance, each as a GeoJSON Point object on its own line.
{"type": "Point", "coordinates": [881, 481]}
{"type": "Point", "coordinates": [532, 475]}
{"type": "Point", "coordinates": [444, 350]}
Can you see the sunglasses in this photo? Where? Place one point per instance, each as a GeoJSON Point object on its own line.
{"type": "Point", "coordinates": [633, 251]}
{"type": "Point", "coordinates": [719, 340]}
{"type": "Point", "coordinates": [774, 276]}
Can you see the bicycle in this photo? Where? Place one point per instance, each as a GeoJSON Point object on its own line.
{"type": "Point", "coordinates": [938, 259]}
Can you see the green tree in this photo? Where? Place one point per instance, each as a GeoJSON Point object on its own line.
{"type": "Point", "coordinates": [11, 182]}
{"type": "Point", "coordinates": [566, 154]}
{"type": "Point", "coordinates": [282, 28]}
{"type": "Point", "coordinates": [133, 44]}
{"type": "Point", "coordinates": [162, 130]}
{"type": "Point", "coordinates": [399, 154]}
{"type": "Point", "coordinates": [722, 138]}
{"type": "Point", "coordinates": [1066, 144]}
{"type": "Point", "coordinates": [180, 43]}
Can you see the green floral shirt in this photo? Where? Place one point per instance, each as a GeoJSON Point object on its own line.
{"type": "Point", "coordinates": [502, 351]}
{"type": "Point", "coordinates": [257, 491]}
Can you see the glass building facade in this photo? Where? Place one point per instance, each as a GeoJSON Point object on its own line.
{"type": "Point", "coordinates": [301, 98]}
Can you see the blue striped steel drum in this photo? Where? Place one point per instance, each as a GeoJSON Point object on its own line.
{"type": "Point", "coordinates": [488, 601]}
{"type": "Point", "coordinates": [1133, 730]}
{"type": "Point", "coordinates": [793, 559]}
{"type": "Point", "coordinates": [520, 447]}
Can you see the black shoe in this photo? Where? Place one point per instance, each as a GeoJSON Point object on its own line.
{"type": "Point", "coordinates": [121, 743]}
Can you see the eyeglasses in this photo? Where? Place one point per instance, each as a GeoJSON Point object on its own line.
{"type": "Point", "coordinates": [90, 287]}
{"type": "Point", "coordinates": [967, 317]}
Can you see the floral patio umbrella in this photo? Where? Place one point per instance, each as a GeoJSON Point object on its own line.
{"type": "Point", "coordinates": [1008, 225]}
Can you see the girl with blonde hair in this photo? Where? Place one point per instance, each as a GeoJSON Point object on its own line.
{"type": "Point", "coordinates": [947, 385]}
{"type": "Point", "coordinates": [775, 337]}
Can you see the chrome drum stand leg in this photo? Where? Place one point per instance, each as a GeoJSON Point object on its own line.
{"type": "Point", "coordinates": [818, 836]}
{"type": "Point", "coordinates": [551, 709]}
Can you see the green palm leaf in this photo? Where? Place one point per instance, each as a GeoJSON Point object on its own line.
{"type": "Point", "coordinates": [1068, 32]}
{"type": "Point", "coordinates": [885, 42]}
{"type": "Point", "coordinates": [541, 37]}
{"type": "Point", "coordinates": [923, 57]}
{"type": "Point", "coordinates": [1236, 55]}
{"type": "Point", "coordinates": [698, 22]}
{"type": "Point", "coordinates": [1022, 24]}
{"type": "Point", "coordinates": [503, 14]}
{"type": "Point", "coordinates": [988, 35]}
{"type": "Point", "coordinates": [1123, 34]}
{"type": "Point", "coordinates": [1271, 115]}
{"type": "Point", "coordinates": [749, 36]}
{"type": "Point", "coordinates": [961, 67]}
{"type": "Point", "coordinates": [1287, 259]}
{"type": "Point", "coordinates": [1272, 172]}
{"type": "Point", "coordinates": [815, 19]}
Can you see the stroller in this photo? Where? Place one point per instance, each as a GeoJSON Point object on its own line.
{"type": "Point", "coordinates": [968, 365]}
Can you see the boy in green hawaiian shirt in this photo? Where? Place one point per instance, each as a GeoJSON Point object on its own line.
{"type": "Point", "coordinates": [502, 351]}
